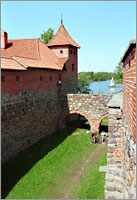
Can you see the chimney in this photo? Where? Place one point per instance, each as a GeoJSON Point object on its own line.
{"type": "Point", "coordinates": [4, 39]}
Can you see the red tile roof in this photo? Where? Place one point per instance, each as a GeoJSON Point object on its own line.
{"type": "Point", "coordinates": [62, 38]}
{"type": "Point", "coordinates": [24, 53]}
{"type": "Point", "coordinates": [30, 53]}
{"type": "Point", "coordinates": [26, 48]}
{"type": "Point", "coordinates": [131, 44]}
{"type": "Point", "coordinates": [11, 64]}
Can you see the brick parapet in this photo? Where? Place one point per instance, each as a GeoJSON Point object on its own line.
{"type": "Point", "coordinates": [129, 91]}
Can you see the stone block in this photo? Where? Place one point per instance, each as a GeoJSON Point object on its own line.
{"type": "Point", "coordinates": [113, 186]}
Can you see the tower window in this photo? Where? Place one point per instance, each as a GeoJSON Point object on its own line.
{"type": "Point", "coordinates": [41, 78]}
{"type": "Point", "coordinates": [72, 67]}
{"type": "Point", "coordinates": [59, 76]}
{"type": "Point", "coordinates": [74, 52]}
{"type": "Point", "coordinates": [64, 68]}
{"type": "Point", "coordinates": [71, 51]}
{"type": "Point", "coordinates": [50, 78]}
{"type": "Point", "coordinates": [17, 78]}
{"type": "Point", "coordinates": [61, 51]}
{"type": "Point", "coordinates": [129, 62]}
{"type": "Point", "coordinates": [3, 78]}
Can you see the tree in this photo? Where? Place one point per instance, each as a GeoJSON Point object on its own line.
{"type": "Point", "coordinates": [83, 87]}
{"type": "Point", "coordinates": [118, 72]}
{"type": "Point", "coordinates": [47, 36]}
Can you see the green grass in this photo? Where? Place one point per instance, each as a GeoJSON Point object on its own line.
{"type": "Point", "coordinates": [92, 184]}
{"type": "Point", "coordinates": [36, 172]}
{"type": "Point", "coordinates": [105, 122]}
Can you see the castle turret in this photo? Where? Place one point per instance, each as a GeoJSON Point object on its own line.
{"type": "Point", "coordinates": [64, 46]}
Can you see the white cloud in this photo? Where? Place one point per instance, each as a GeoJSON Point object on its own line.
{"type": "Point", "coordinates": [122, 49]}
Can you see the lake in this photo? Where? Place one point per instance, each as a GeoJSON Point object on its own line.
{"type": "Point", "coordinates": [102, 87]}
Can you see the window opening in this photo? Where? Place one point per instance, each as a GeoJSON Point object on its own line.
{"type": "Point", "coordinates": [64, 68]}
{"type": "Point", "coordinates": [3, 78]}
{"type": "Point", "coordinates": [72, 67]}
{"type": "Point", "coordinates": [17, 78]}
{"type": "Point", "coordinates": [41, 78]}
{"type": "Point", "coordinates": [129, 63]}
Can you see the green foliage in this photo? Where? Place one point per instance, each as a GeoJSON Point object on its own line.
{"type": "Point", "coordinates": [47, 36]}
{"type": "Point", "coordinates": [91, 76]}
{"type": "Point", "coordinates": [85, 76]}
{"type": "Point", "coordinates": [83, 87]}
{"type": "Point", "coordinates": [84, 79]}
{"type": "Point", "coordinates": [118, 73]}
{"type": "Point", "coordinates": [102, 76]}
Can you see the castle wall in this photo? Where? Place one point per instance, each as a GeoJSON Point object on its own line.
{"type": "Point", "coordinates": [92, 107]}
{"type": "Point", "coordinates": [129, 91]}
{"type": "Point", "coordinates": [121, 158]}
{"type": "Point", "coordinates": [31, 115]}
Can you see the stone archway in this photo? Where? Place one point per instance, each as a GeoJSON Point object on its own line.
{"type": "Point", "coordinates": [94, 124]}
{"type": "Point", "coordinates": [62, 121]}
{"type": "Point", "coordinates": [100, 120]}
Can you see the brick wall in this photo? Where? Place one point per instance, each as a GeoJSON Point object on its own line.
{"type": "Point", "coordinates": [13, 81]}
{"type": "Point", "coordinates": [129, 91]}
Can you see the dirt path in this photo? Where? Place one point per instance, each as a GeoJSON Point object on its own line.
{"type": "Point", "coordinates": [72, 180]}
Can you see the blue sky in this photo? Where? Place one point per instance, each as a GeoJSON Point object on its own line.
{"type": "Point", "coordinates": [103, 29]}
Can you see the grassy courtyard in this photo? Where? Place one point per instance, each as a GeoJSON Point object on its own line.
{"type": "Point", "coordinates": [64, 165]}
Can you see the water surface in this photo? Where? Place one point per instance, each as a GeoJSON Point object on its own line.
{"type": "Point", "coordinates": [102, 87]}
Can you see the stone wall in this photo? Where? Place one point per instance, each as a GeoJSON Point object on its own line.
{"type": "Point", "coordinates": [128, 161]}
{"type": "Point", "coordinates": [32, 115]}
{"type": "Point", "coordinates": [121, 157]}
{"type": "Point", "coordinates": [92, 107]}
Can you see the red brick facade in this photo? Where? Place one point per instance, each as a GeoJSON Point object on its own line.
{"type": "Point", "coordinates": [30, 64]}
{"type": "Point", "coordinates": [15, 81]}
{"type": "Point", "coordinates": [129, 88]}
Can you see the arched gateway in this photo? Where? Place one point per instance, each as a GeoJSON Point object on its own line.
{"type": "Point", "coordinates": [92, 107]}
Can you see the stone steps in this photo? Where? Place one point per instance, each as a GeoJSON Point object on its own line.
{"type": "Point", "coordinates": [113, 195]}
{"type": "Point", "coordinates": [111, 178]}
{"type": "Point", "coordinates": [114, 186]}
{"type": "Point", "coordinates": [115, 170]}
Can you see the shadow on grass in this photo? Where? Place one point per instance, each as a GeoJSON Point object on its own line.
{"type": "Point", "coordinates": [14, 169]}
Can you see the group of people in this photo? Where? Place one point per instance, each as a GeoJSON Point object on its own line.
{"type": "Point", "coordinates": [94, 136]}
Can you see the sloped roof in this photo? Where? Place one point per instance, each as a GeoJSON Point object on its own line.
{"type": "Point", "coordinates": [30, 53]}
{"type": "Point", "coordinates": [62, 38]}
{"type": "Point", "coordinates": [131, 44]}
{"type": "Point", "coordinates": [11, 64]}
{"type": "Point", "coordinates": [26, 48]}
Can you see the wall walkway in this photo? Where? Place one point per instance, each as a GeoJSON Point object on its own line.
{"type": "Point", "coordinates": [92, 107]}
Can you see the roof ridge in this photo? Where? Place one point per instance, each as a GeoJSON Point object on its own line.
{"type": "Point", "coordinates": [14, 58]}
{"type": "Point", "coordinates": [62, 37]}
{"type": "Point", "coordinates": [54, 35]}
{"type": "Point", "coordinates": [38, 48]}
{"type": "Point", "coordinates": [26, 39]}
